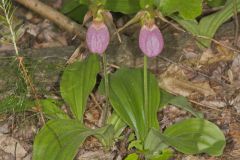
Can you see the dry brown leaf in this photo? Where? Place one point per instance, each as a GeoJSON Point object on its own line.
{"type": "Point", "coordinates": [96, 155]}
{"type": "Point", "coordinates": [236, 103]}
{"type": "Point", "coordinates": [209, 58]}
{"type": "Point", "coordinates": [32, 29]}
{"type": "Point", "coordinates": [47, 45]}
{"type": "Point", "coordinates": [236, 67]}
{"type": "Point", "coordinates": [175, 81]}
{"type": "Point", "coordinates": [6, 47]}
{"type": "Point", "coordinates": [78, 54]}
{"type": "Point", "coordinates": [192, 158]}
{"type": "Point", "coordinates": [11, 145]}
{"type": "Point", "coordinates": [214, 103]}
{"type": "Point", "coordinates": [235, 134]}
{"type": "Point", "coordinates": [223, 55]}
{"type": "Point", "coordinates": [206, 56]}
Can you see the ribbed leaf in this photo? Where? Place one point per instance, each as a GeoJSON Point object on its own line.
{"type": "Point", "coordinates": [51, 110]}
{"type": "Point", "coordinates": [166, 154]}
{"type": "Point", "coordinates": [178, 101]}
{"type": "Point", "coordinates": [77, 82]}
{"type": "Point", "coordinates": [209, 24]}
{"type": "Point", "coordinates": [153, 144]}
{"type": "Point", "coordinates": [157, 3]}
{"type": "Point", "coordinates": [127, 99]}
{"type": "Point", "coordinates": [216, 3]}
{"type": "Point", "coordinates": [117, 123]}
{"type": "Point", "coordinates": [68, 6]}
{"type": "Point", "coordinates": [190, 25]}
{"type": "Point", "coordinates": [123, 6]}
{"type": "Point", "coordinates": [187, 9]}
{"type": "Point", "coordinates": [60, 139]}
{"type": "Point", "coordinates": [144, 3]}
{"type": "Point", "coordinates": [132, 156]}
{"type": "Point", "coordinates": [75, 9]}
{"type": "Point", "coordinates": [194, 136]}
{"type": "Point", "coordinates": [78, 13]}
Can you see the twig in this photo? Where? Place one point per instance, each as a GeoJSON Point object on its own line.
{"type": "Point", "coordinates": [100, 122]}
{"type": "Point", "coordinates": [15, 150]}
{"type": "Point", "coordinates": [159, 15]}
{"type": "Point", "coordinates": [203, 105]}
{"type": "Point", "coordinates": [55, 16]}
{"type": "Point", "coordinates": [217, 42]}
{"type": "Point", "coordinates": [77, 54]}
{"type": "Point", "coordinates": [210, 107]}
{"type": "Point", "coordinates": [95, 100]}
{"type": "Point", "coordinates": [206, 106]}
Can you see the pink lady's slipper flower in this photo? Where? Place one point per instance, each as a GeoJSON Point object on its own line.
{"type": "Point", "coordinates": [151, 40]}
{"type": "Point", "coordinates": [97, 37]}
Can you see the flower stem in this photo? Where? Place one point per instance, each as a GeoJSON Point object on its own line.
{"type": "Point", "coordinates": [145, 82]}
{"type": "Point", "coordinates": [106, 84]}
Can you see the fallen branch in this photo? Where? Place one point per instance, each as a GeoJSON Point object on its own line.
{"type": "Point", "coordinates": [54, 16]}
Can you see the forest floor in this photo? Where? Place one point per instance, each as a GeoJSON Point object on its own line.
{"type": "Point", "coordinates": [210, 79]}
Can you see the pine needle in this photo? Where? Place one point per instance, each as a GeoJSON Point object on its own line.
{"type": "Point", "coordinates": [8, 11]}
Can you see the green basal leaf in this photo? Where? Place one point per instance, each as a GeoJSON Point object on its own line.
{"type": "Point", "coordinates": [117, 123]}
{"type": "Point", "coordinates": [189, 25]}
{"type": "Point", "coordinates": [69, 5]}
{"type": "Point", "coordinates": [146, 3]}
{"type": "Point", "coordinates": [132, 156]}
{"type": "Point", "coordinates": [78, 13]}
{"type": "Point", "coordinates": [99, 2]}
{"type": "Point", "coordinates": [15, 104]}
{"type": "Point", "coordinates": [77, 82]}
{"type": "Point", "coordinates": [187, 9]}
{"type": "Point", "coordinates": [209, 24]}
{"type": "Point", "coordinates": [153, 144]}
{"type": "Point", "coordinates": [136, 144]}
{"type": "Point", "coordinates": [165, 98]}
{"type": "Point", "coordinates": [178, 101]}
{"type": "Point", "coordinates": [75, 9]}
{"type": "Point", "coordinates": [165, 155]}
{"type": "Point", "coordinates": [157, 3]}
{"type": "Point", "coordinates": [60, 139]}
{"type": "Point", "coordinates": [183, 103]}
{"type": "Point", "coordinates": [194, 136]}
{"type": "Point", "coordinates": [106, 135]}
{"type": "Point", "coordinates": [131, 137]}
{"type": "Point", "coordinates": [216, 3]}
{"type": "Point", "coordinates": [51, 110]}
{"type": "Point", "coordinates": [123, 6]}
{"type": "Point", "coordinates": [127, 99]}
{"type": "Point", "coordinates": [86, 2]}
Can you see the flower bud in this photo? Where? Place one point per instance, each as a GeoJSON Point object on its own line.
{"type": "Point", "coordinates": [97, 37]}
{"type": "Point", "coordinates": [151, 40]}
